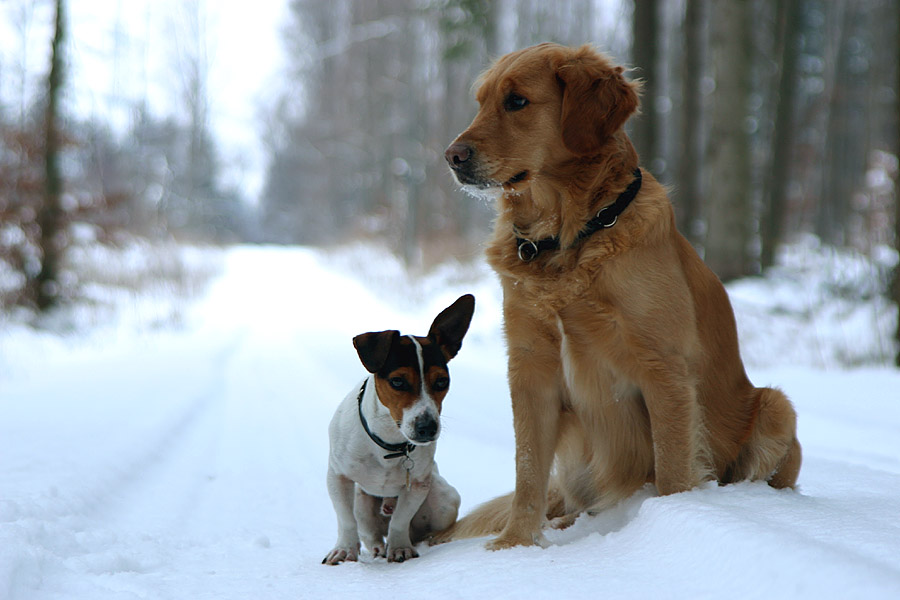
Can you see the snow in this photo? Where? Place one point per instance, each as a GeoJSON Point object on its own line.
{"type": "Point", "coordinates": [179, 451]}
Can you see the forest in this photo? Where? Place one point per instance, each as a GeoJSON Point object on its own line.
{"type": "Point", "coordinates": [767, 118]}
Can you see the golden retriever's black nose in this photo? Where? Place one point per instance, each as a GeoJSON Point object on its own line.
{"type": "Point", "coordinates": [457, 154]}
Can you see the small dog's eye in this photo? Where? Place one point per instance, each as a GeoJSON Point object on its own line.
{"type": "Point", "coordinates": [441, 383]}
{"type": "Point", "coordinates": [515, 102]}
{"type": "Point", "coordinates": [398, 383]}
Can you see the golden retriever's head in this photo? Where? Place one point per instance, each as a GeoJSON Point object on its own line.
{"type": "Point", "coordinates": [539, 108]}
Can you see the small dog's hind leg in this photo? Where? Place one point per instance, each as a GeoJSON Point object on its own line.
{"type": "Point", "coordinates": [438, 511]}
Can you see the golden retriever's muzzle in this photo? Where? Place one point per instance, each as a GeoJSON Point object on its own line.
{"type": "Point", "coordinates": [469, 171]}
{"type": "Point", "coordinates": [461, 158]}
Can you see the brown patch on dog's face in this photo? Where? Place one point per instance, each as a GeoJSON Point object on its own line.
{"type": "Point", "coordinates": [437, 377]}
{"type": "Point", "coordinates": [539, 108]}
{"type": "Point", "coordinates": [399, 381]}
{"type": "Point", "coordinates": [398, 389]}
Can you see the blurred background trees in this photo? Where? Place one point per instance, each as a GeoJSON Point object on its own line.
{"type": "Point", "coordinates": [68, 179]}
{"type": "Point", "coordinates": [768, 118]}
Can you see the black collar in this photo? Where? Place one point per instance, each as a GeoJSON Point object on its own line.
{"type": "Point", "coordinates": [395, 450]}
{"type": "Point", "coordinates": [607, 216]}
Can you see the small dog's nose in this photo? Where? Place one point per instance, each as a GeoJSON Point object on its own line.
{"type": "Point", "coordinates": [426, 428]}
{"type": "Point", "coordinates": [457, 154]}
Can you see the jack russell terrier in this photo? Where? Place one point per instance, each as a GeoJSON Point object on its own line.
{"type": "Point", "coordinates": [382, 477]}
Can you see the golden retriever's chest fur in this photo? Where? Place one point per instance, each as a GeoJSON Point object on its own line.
{"type": "Point", "coordinates": [583, 322]}
{"type": "Point", "coordinates": [604, 423]}
{"type": "Point", "coordinates": [548, 284]}
{"type": "Point", "coordinates": [587, 375]}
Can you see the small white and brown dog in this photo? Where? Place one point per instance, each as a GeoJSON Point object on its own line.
{"type": "Point", "coordinates": [382, 477]}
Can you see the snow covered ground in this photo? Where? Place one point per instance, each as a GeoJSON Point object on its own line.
{"type": "Point", "coordinates": [185, 457]}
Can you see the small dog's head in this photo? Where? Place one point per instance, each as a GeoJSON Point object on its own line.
{"type": "Point", "coordinates": [540, 109]}
{"type": "Point", "coordinates": [411, 376]}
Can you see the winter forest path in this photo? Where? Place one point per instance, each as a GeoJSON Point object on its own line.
{"type": "Point", "coordinates": [189, 463]}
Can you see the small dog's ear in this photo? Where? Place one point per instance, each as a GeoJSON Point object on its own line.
{"type": "Point", "coordinates": [451, 325]}
{"type": "Point", "coordinates": [373, 348]}
{"type": "Point", "coordinates": [597, 100]}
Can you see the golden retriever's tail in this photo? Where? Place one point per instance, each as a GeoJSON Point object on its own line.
{"type": "Point", "coordinates": [491, 517]}
{"type": "Point", "coordinates": [486, 519]}
{"type": "Point", "coordinates": [771, 452]}
{"type": "Point", "coordinates": [775, 438]}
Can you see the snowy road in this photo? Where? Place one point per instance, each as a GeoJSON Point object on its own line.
{"type": "Point", "coordinates": [189, 463]}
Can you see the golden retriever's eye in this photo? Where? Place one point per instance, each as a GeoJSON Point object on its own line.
{"type": "Point", "coordinates": [515, 102]}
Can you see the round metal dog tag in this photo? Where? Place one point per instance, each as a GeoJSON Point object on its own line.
{"type": "Point", "coordinates": [527, 251]}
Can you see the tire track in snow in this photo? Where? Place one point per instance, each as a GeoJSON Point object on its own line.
{"type": "Point", "coordinates": [158, 488]}
{"type": "Point", "coordinates": [146, 480]}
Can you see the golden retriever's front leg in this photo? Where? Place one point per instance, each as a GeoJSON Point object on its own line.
{"type": "Point", "coordinates": [536, 420]}
{"type": "Point", "coordinates": [677, 435]}
{"type": "Point", "coordinates": [534, 383]}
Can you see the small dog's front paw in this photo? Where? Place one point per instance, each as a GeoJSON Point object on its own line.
{"type": "Point", "coordinates": [339, 555]}
{"type": "Point", "coordinates": [379, 551]}
{"type": "Point", "coordinates": [401, 554]}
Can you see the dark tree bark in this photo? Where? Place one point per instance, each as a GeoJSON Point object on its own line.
{"type": "Point", "coordinates": [690, 167]}
{"type": "Point", "coordinates": [50, 219]}
{"type": "Point", "coordinates": [771, 228]}
{"type": "Point", "coordinates": [728, 168]}
{"type": "Point", "coordinates": [644, 53]}
{"type": "Point", "coordinates": [897, 187]}
{"type": "Point", "coordinates": [845, 147]}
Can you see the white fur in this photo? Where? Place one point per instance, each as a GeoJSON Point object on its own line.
{"type": "Point", "coordinates": [359, 477]}
{"type": "Point", "coordinates": [425, 405]}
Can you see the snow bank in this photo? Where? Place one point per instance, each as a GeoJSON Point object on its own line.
{"type": "Point", "coordinates": [188, 460]}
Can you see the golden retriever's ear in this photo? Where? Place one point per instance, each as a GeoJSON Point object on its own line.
{"type": "Point", "coordinates": [597, 100]}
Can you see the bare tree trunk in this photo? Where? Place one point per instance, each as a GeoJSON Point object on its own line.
{"type": "Point", "coordinates": [645, 133]}
{"type": "Point", "coordinates": [729, 185]}
{"type": "Point", "coordinates": [193, 62]}
{"type": "Point", "coordinates": [845, 148]}
{"type": "Point", "coordinates": [691, 160]}
{"type": "Point", "coordinates": [46, 286]}
{"type": "Point", "coordinates": [834, 191]}
{"type": "Point", "coordinates": [897, 186]}
{"type": "Point", "coordinates": [772, 224]}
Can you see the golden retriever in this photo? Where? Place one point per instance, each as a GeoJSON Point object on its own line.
{"type": "Point", "coordinates": [623, 352]}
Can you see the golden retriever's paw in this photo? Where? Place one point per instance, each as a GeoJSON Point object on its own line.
{"type": "Point", "coordinates": [563, 522]}
{"type": "Point", "coordinates": [339, 554]}
{"type": "Point", "coordinates": [511, 540]}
